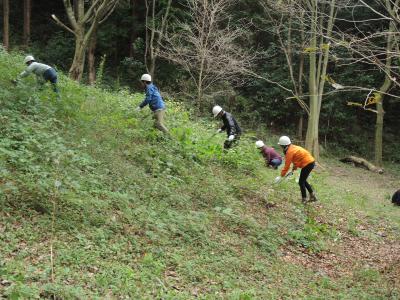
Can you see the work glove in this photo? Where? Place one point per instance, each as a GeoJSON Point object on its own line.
{"type": "Point", "coordinates": [219, 130]}
{"type": "Point", "coordinates": [138, 108]}
{"type": "Point", "coordinates": [231, 137]}
{"type": "Point", "coordinates": [278, 179]}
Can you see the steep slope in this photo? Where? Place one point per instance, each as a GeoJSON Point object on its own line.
{"type": "Point", "coordinates": [96, 204]}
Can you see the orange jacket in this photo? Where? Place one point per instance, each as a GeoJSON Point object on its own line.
{"type": "Point", "coordinates": [297, 155]}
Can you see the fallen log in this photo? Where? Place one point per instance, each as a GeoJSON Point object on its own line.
{"type": "Point", "coordinates": [362, 163]}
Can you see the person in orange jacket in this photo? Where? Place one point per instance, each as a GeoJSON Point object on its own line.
{"type": "Point", "coordinates": [300, 158]}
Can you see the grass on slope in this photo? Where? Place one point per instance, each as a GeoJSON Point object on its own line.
{"type": "Point", "coordinates": [130, 213]}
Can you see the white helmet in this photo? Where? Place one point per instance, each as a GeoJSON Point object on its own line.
{"type": "Point", "coordinates": [28, 58]}
{"type": "Point", "coordinates": [216, 110]}
{"type": "Point", "coordinates": [284, 141]}
{"type": "Point", "coordinates": [146, 77]}
{"type": "Point", "coordinates": [260, 144]}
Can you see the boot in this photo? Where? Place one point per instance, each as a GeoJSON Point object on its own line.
{"type": "Point", "coordinates": [304, 200]}
{"type": "Point", "coordinates": [313, 198]}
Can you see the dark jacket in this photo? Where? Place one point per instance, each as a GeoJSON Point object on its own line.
{"type": "Point", "coordinates": [230, 125]}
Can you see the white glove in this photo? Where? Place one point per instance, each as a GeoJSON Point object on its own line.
{"type": "Point", "coordinates": [231, 137]}
{"type": "Point", "coordinates": [219, 130]}
{"type": "Point", "coordinates": [138, 108]}
{"type": "Point", "coordinates": [277, 179]}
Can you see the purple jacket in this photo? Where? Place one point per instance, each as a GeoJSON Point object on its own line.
{"type": "Point", "coordinates": [270, 154]}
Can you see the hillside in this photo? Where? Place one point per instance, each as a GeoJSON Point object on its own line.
{"type": "Point", "coordinates": [95, 204]}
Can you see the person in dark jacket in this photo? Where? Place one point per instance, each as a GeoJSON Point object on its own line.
{"type": "Point", "coordinates": [231, 127]}
{"type": "Point", "coordinates": [272, 158]}
{"type": "Point", "coordinates": [396, 198]}
{"type": "Point", "coordinates": [155, 102]}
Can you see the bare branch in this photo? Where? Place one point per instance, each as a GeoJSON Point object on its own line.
{"type": "Point", "coordinates": [54, 17]}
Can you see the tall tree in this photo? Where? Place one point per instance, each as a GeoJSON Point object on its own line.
{"type": "Point", "coordinates": [6, 24]}
{"type": "Point", "coordinates": [27, 22]}
{"type": "Point", "coordinates": [83, 24]}
{"type": "Point", "coordinates": [318, 62]}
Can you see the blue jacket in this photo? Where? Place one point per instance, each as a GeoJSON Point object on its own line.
{"type": "Point", "coordinates": [153, 98]}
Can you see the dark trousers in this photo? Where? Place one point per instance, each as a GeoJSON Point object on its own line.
{"type": "Point", "coordinates": [303, 180]}
{"type": "Point", "coordinates": [51, 75]}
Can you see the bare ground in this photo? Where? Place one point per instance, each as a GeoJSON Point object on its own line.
{"type": "Point", "coordinates": [375, 246]}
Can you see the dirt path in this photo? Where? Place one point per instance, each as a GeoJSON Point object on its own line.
{"type": "Point", "coordinates": [375, 245]}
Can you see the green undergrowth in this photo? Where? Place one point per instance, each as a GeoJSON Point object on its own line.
{"type": "Point", "coordinates": [126, 212]}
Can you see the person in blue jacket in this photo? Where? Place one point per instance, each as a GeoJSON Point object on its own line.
{"type": "Point", "coordinates": [155, 102]}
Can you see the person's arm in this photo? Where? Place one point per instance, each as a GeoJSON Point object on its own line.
{"type": "Point", "coordinates": [28, 71]}
{"type": "Point", "coordinates": [146, 100]}
{"type": "Point", "coordinates": [288, 161]}
{"type": "Point", "coordinates": [231, 123]}
{"type": "Point", "coordinates": [268, 156]}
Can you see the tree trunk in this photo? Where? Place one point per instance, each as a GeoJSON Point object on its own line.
{"type": "Point", "coordinates": [361, 162]}
{"type": "Point", "coordinates": [78, 64]}
{"type": "Point", "coordinates": [27, 22]}
{"type": "Point", "coordinates": [384, 88]}
{"type": "Point", "coordinates": [6, 24]}
{"type": "Point", "coordinates": [152, 58]}
{"type": "Point", "coordinates": [317, 74]}
{"type": "Point", "coordinates": [300, 127]}
{"type": "Point", "coordinates": [91, 58]}
{"type": "Point", "coordinates": [379, 133]}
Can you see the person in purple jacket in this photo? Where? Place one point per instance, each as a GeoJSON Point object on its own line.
{"type": "Point", "coordinates": [272, 158]}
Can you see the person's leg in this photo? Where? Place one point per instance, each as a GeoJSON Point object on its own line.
{"type": "Point", "coordinates": [227, 144]}
{"type": "Point", "coordinates": [304, 185]}
{"type": "Point", "coordinates": [51, 76]}
{"type": "Point", "coordinates": [159, 120]}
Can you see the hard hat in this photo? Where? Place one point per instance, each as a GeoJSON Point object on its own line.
{"type": "Point", "coordinates": [28, 58]}
{"type": "Point", "coordinates": [216, 110]}
{"type": "Point", "coordinates": [146, 77]}
{"type": "Point", "coordinates": [259, 144]}
{"type": "Point", "coordinates": [284, 141]}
